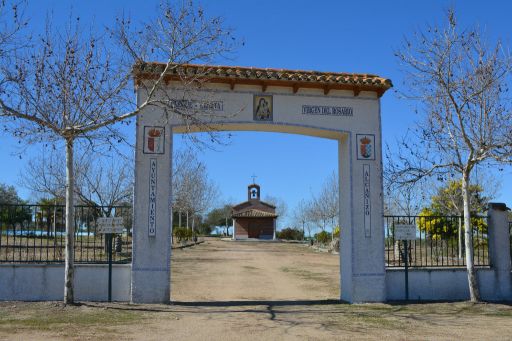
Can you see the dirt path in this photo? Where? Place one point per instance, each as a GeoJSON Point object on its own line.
{"type": "Point", "coordinates": [232, 271]}
{"type": "Point", "coordinates": [254, 291]}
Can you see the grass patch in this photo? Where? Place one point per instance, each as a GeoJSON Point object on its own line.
{"type": "Point", "coordinates": [248, 267]}
{"type": "Point", "coordinates": [304, 274]}
{"type": "Point", "coordinates": [59, 318]}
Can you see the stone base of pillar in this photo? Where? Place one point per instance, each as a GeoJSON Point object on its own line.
{"type": "Point", "coordinates": [151, 286]}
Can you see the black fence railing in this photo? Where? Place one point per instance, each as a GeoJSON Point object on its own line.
{"type": "Point", "coordinates": [439, 241]}
{"type": "Point", "coordinates": [36, 234]}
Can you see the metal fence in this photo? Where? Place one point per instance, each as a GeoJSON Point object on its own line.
{"type": "Point", "coordinates": [36, 234]}
{"type": "Point", "coordinates": [439, 241]}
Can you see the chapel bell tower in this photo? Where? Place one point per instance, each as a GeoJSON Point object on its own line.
{"type": "Point", "coordinates": [253, 192]}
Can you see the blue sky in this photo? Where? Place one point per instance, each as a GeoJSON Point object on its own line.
{"type": "Point", "coordinates": [341, 36]}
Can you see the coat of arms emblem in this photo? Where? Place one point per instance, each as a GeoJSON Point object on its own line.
{"type": "Point", "coordinates": [366, 145]}
{"type": "Point", "coordinates": [154, 140]}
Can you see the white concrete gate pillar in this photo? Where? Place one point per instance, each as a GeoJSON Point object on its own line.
{"type": "Point", "coordinates": [499, 250]}
{"type": "Point", "coordinates": [361, 219]}
{"type": "Point", "coordinates": [151, 233]}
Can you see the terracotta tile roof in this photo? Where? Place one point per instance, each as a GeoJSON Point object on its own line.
{"type": "Point", "coordinates": [253, 213]}
{"type": "Point", "coordinates": [267, 76]}
{"type": "Point", "coordinates": [244, 205]}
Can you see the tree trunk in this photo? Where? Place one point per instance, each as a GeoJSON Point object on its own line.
{"type": "Point", "coordinates": [54, 227]}
{"type": "Point", "coordinates": [70, 226]}
{"type": "Point", "coordinates": [460, 238]}
{"type": "Point", "coordinates": [474, 292]}
{"type": "Point", "coordinates": [187, 220]}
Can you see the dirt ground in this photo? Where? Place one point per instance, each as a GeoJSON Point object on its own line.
{"type": "Point", "coordinates": [239, 271]}
{"type": "Point", "coordinates": [225, 290]}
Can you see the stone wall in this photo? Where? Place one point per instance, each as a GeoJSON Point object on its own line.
{"type": "Point", "coordinates": [45, 282]}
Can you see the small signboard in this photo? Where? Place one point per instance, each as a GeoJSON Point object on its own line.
{"type": "Point", "coordinates": [110, 225]}
{"type": "Point", "coordinates": [405, 232]}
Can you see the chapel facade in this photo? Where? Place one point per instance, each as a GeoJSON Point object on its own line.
{"type": "Point", "coordinates": [254, 218]}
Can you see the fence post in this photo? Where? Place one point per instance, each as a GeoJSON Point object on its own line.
{"type": "Point", "coordinates": [499, 249]}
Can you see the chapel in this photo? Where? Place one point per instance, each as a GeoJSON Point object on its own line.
{"type": "Point", "coordinates": [254, 218]}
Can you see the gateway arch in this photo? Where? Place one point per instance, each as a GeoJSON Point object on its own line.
{"type": "Point", "coordinates": [340, 106]}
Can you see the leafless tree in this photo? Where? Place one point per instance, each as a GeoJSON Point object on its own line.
{"type": "Point", "coordinates": [193, 192]}
{"type": "Point", "coordinates": [99, 181]}
{"type": "Point", "coordinates": [322, 208]}
{"type": "Point", "coordinates": [105, 183]}
{"type": "Point", "coordinates": [462, 83]}
{"type": "Point", "coordinates": [45, 175]}
{"type": "Point", "coordinates": [12, 21]}
{"type": "Point", "coordinates": [328, 200]}
{"type": "Point", "coordinates": [281, 208]}
{"type": "Point", "coordinates": [301, 217]}
{"type": "Point", "coordinates": [404, 199]}
{"type": "Point", "coordinates": [71, 87]}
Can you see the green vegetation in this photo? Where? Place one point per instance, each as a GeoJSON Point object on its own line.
{"type": "Point", "coordinates": [290, 234]}
{"type": "Point", "coordinates": [217, 217]}
{"type": "Point", "coordinates": [448, 202]}
{"type": "Point", "coordinates": [9, 195]}
{"type": "Point", "coordinates": [323, 237]}
{"type": "Point", "coordinates": [182, 234]}
{"type": "Point", "coordinates": [336, 232]}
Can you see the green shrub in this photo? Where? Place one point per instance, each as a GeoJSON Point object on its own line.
{"type": "Point", "coordinates": [290, 234]}
{"type": "Point", "coordinates": [336, 232]}
{"type": "Point", "coordinates": [182, 234]}
{"type": "Point", "coordinates": [323, 237]}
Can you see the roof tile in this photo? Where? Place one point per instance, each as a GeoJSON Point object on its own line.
{"type": "Point", "coordinates": [253, 213]}
{"type": "Point", "coordinates": [236, 72]}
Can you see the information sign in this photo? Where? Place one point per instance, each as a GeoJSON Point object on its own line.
{"type": "Point", "coordinates": [110, 225]}
{"type": "Point", "coordinates": [405, 232]}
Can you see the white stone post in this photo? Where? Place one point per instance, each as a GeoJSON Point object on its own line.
{"type": "Point", "coordinates": [499, 249]}
{"type": "Point", "coordinates": [275, 225]}
{"type": "Point", "coordinates": [361, 222]}
{"type": "Point", "coordinates": [152, 214]}
{"type": "Point", "coordinates": [234, 230]}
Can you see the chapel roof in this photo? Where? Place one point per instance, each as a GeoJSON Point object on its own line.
{"type": "Point", "coordinates": [254, 213]}
{"type": "Point", "coordinates": [267, 76]}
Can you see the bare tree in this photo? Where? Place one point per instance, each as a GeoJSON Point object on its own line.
{"type": "Point", "coordinates": [461, 82]}
{"type": "Point", "coordinates": [98, 181]}
{"type": "Point", "coordinates": [301, 217]}
{"type": "Point", "coordinates": [45, 175]}
{"type": "Point", "coordinates": [193, 192]}
{"type": "Point", "coordinates": [323, 208]}
{"type": "Point", "coordinates": [12, 22]}
{"type": "Point", "coordinates": [105, 183]}
{"type": "Point", "coordinates": [69, 87]}
{"type": "Point", "coordinates": [281, 208]}
{"type": "Point", "coordinates": [404, 199]}
{"type": "Point", "coordinates": [328, 200]}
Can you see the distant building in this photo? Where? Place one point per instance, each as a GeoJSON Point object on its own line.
{"type": "Point", "coordinates": [254, 218]}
